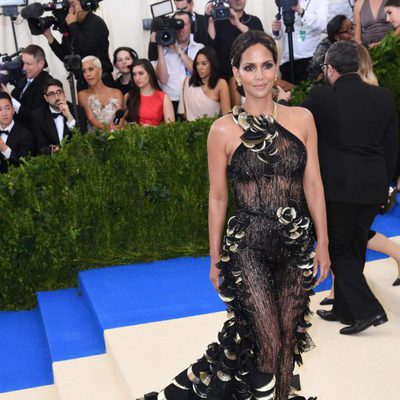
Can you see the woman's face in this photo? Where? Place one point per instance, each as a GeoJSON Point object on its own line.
{"type": "Point", "coordinates": [346, 31]}
{"type": "Point", "coordinates": [256, 72]}
{"type": "Point", "coordinates": [91, 73]}
{"type": "Point", "coordinates": [123, 62]}
{"type": "Point", "coordinates": [203, 66]}
{"type": "Point", "coordinates": [393, 16]}
{"type": "Point", "coordinates": [140, 76]}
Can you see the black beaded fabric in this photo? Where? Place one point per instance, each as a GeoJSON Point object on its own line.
{"type": "Point", "coordinates": [266, 265]}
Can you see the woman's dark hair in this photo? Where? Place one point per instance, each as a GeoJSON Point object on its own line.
{"type": "Point", "coordinates": [392, 3]}
{"type": "Point", "coordinates": [335, 26]}
{"type": "Point", "coordinates": [129, 50]}
{"type": "Point", "coordinates": [212, 58]}
{"type": "Point", "coordinates": [246, 40]}
{"type": "Point", "coordinates": [133, 101]}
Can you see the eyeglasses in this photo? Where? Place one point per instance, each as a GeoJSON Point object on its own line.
{"type": "Point", "coordinates": [54, 94]}
{"type": "Point", "coordinates": [347, 30]}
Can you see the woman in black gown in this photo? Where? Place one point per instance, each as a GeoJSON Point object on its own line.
{"type": "Point", "coordinates": [267, 265]}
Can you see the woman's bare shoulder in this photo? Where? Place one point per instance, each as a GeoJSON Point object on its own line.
{"type": "Point", "coordinates": [223, 126]}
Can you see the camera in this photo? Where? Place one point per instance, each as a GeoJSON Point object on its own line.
{"type": "Point", "coordinates": [11, 70]}
{"type": "Point", "coordinates": [165, 26]}
{"type": "Point", "coordinates": [286, 3]}
{"type": "Point", "coordinates": [220, 10]}
{"type": "Point", "coordinates": [285, 7]}
{"type": "Point", "coordinates": [38, 24]}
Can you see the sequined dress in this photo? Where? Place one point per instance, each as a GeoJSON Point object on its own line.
{"type": "Point", "coordinates": [266, 264]}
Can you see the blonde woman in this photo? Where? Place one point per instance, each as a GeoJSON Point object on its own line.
{"type": "Point", "coordinates": [99, 101]}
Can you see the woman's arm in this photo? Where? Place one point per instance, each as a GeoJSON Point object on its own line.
{"type": "Point", "coordinates": [218, 195]}
{"type": "Point", "coordinates": [357, 21]}
{"type": "Point", "coordinates": [83, 102]}
{"type": "Point", "coordinates": [314, 193]}
{"type": "Point", "coordinates": [224, 96]}
{"type": "Point", "coordinates": [168, 110]}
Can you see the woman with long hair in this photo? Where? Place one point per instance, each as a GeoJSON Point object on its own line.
{"type": "Point", "coordinates": [263, 264]}
{"type": "Point", "coordinates": [204, 93]}
{"type": "Point", "coordinates": [123, 58]}
{"type": "Point", "coordinates": [392, 11]}
{"type": "Point", "coordinates": [146, 104]}
{"type": "Point", "coordinates": [99, 101]}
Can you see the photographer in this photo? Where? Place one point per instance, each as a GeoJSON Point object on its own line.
{"type": "Point", "coordinates": [199, 24]}
{"type": "Point", "coordinates": [87, 34]}
{"type": "Point", "coordinates": [175, 62]}
{"type": "Point", "coordinates": [310, 20]}
{"type": "Point", "coordinates": [30, 96]}
{"type": "Point", "coordinates": [223, 32]}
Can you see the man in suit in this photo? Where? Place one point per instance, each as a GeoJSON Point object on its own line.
{"type": "Point", "coordinates": [30, 97]}
{"type": "Point", "coordinates": [15, 140]}
{"type": "Point", "coordinates": [55, 121]}
{"type": "Point", "coordinates": [357, 128]}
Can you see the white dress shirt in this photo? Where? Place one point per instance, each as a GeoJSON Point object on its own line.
{"type": "Point", "coordinates": [176, 68]}
{"type": "Point", "coordinates": [340, 7]}
{"type": "Point", "coordinates": [59, 121]}
{"type": "Point", "coordinates": [4, 137]}
{"type": "Point", "coordinates": [307, 30]}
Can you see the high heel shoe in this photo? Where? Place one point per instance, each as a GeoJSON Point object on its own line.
{"type": "Point", "coordinates": [396, 282]}
{"type": "Point", "coordinates": [326, 301]}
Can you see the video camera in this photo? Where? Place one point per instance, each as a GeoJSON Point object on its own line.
{"type": "Point", "coordinates": [165, 26]}
{"type": "Point", "coordinates": [11, 69]}
{"type": "Point", "coordinates": [38, 24]}
{"type": "Point", "coordinates": [220, 10]}
{"type": "Point", "coordinates": [285, 9]}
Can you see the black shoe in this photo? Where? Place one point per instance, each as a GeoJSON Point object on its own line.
{"type": "Point", "coordinates": [332, 317]}
{"type": "Point", "coordinates": [396, 282]}
{"type": "Point", "coordinates": [326, 302]}
{"type": "Point", "coordinates": [363, 324]}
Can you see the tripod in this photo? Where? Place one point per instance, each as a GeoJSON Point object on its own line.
{"type": "Point", "coordinates": [12, 12]}
{"type": "Point", "coordinates": [288, 19]}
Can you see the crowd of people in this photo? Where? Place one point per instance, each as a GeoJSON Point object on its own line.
{"type": "Point", "coordinates": [215, 66]}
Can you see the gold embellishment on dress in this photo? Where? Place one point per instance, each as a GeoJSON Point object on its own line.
{"type": "Point", "coordinates": [259, 132]}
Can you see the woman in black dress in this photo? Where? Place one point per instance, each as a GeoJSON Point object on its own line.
{"type": "Point", "coordinates": [267, 265]}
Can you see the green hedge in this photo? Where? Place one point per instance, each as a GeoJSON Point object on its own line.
{"type": "Point", "coordinates": [135, 195]}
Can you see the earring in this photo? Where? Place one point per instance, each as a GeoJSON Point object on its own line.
{"type": "Point", "coordinates": [238, 83]}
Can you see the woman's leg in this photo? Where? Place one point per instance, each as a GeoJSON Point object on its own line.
{"type": "Point", "coordinates": [386, 246]}
{"type": "Point", "coordinates": [293, 306]}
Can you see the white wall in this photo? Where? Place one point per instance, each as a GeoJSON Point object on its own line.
{"type": "Point", "coordinates": [124, 21]}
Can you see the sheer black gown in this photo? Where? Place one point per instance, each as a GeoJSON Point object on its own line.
{"type": "Point", "coordinates": [266, 265]}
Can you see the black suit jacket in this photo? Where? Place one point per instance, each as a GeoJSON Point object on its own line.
{"type": "Point", "coordinates": [31, 99]}
{"type": "Point", "coordinates": [45, 130]}
{"type": "Point", "coordinates": [21, 143]}
{"type": "Point", "coordinates": [357, 128]}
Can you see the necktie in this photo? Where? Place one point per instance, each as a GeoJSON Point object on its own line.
{"type": "Point", "coordinates": [28, 82]}
{"type": "Point", "coordinates": [56, 115]}
{"type": "Point", "coordinates": [3, 132]}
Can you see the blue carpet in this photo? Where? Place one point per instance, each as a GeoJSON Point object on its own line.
{"type": "Point", "coordinates": [71, 328]}
{"type": "Point", "coordinates": [24, 353]}
{"type": "Point", "coordinates": [69, 323]}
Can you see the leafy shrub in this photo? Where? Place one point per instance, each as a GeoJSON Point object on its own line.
{"type": "Point", "coordinates": [134, 195]}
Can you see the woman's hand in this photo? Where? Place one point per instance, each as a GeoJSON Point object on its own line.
{"type": "Point", "coordinates": [322, 260]}
{"type": "Point", "coordinates": [215, 276]}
